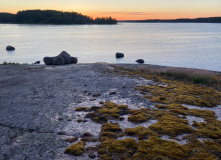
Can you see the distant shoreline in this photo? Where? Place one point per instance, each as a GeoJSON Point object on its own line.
{"type": "Point", "coordinates": [52, 17]}
{"type": "Point", "coordinates": [180, 20]}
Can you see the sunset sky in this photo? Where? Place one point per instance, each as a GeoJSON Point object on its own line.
{"type": "Point", "coordinates": [122, 9]}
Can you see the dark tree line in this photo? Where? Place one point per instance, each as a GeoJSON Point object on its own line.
{"type": "Point", "coordinates": [182, 20]}
{"type": "Point", "coordinates": [52, 17]}
{"type": "Point", "coordinates": [7, 18]}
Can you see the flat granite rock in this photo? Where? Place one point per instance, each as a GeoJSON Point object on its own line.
{"type": "Point", "coordinates": [37, 102]}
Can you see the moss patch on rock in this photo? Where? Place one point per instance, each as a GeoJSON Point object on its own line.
{"type": "Point", "coordinates": [182, 93]}
{"type": "Point", "coordinates": [108, 110]}
{"type": "Point", "coordinates": [206, 150]}
{"type": "Point", "coordinates": [80, 109]}
{"type": "Point", "coordinates": [171, 125]}
{"type": "Point", "coordinates": [118, 149]}
{"type": "Point", "coordinates": [76, 149]}
{"type": "Point", "coordinates": [156, 148]}
{"type": "Point", "coordinates": [140, 132]}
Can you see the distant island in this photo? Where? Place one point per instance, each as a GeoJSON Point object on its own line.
{"type": "Point", "coordinates": [180, 20]}
{"type": "Point", "coordinates": [52, 17]}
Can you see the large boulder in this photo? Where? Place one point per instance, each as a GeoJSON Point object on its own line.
{"type": "Point", "coordinates": [73, 60]}
{"type": "Point", "coordinates": [119, 55]}
{"type": "Point", "coordinates": [58, 60]}
{"type": "Point", "coordinates": [140, 61]}
{"type": "Point", "coordinates": [48, 60]}
{"type": "Point", "coordinates": [61, 59]}
{"type": "Point", "coordinates": [66, 57]}
{"type": "Point", "coordinates": [10, 48]}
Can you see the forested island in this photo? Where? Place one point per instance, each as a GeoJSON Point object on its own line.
{"type": "Point", "coordinates": [52, 17]}
{"type": "Point", "coordinates": [180, 20]}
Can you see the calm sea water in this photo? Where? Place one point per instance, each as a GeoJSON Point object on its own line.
{"type": "Point", "coordinates": [194, 45]}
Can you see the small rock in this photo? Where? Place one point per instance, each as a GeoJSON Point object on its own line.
{"type": "Point", "coordinates": [101, 102]}
{"type": "Point", "coordinates": [61, 133]}
{"type": "Point", "coordinates": [119, 55]}
{"type": "Point", "coordinates": [37, 62]}
{"type": "Point", "coordinates": [79, 120]}
{"type": "Point", "coordinates": [73, 60]}
{"type": "Point", "coordinates": [140, 61]}
{"type": "Point", "coordinates": [48, 60]}
{"type": "Point", "coordinates": [60, 118]}
{"type": "Point", "coordinates": [91, 155]}
{"type": "Point", "coordinates": [89, 115]}
{"type": "Point", "coordinates": [112, 93]}
{"type": "Point", "coordinates": [71, 140]}
{"type": "Point", "coordinates": [10, 48]}
{"type": "Point", "coordinates": [84, 120]}
{"type": "Point", "coordinates": [94, 108]}
{"type": "Point", "coordinates": [96, 95]}
{"type": "Point", "coordinates": [87, 134]}
{"type": "Point", "coordinates": [121, 118]}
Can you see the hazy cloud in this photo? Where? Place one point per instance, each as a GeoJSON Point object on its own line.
{"type": "Point", "coordinates": [128, 13]}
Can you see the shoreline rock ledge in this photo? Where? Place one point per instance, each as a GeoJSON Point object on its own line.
{"type": "Point", "coordinates": [62, 59]}
{"type": "Point", "coordinates": [10, 48]}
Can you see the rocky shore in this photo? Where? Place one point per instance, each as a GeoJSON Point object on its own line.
{"type": "Point", "coordinates": [41, 114]}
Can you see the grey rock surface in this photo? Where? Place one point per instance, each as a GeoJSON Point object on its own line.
{"type": "Point", "coordinates": [38, 102]}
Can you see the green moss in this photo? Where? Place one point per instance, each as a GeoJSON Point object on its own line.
{"type": "Point", "coordinates": [156, 148]}
{"type": "Point", "coordinates": [171, 125]}
{"type": "Point", "coordinates": [118, 149]}
{"type": "Point", "coordinates": [110, 135]}
{"type": "Point", "coordinates": [109, 127]}
{"type": "Point", "coordinates": [80, 109]}
{"type": "Point", "coordinates": [177, 109]}
{"type": "Point", "coordinates": [202, 156]}
{"type": "Point", "coordinates": [89, 139]}
{"type": "Point", "coordinates": [140, 132]}
{"type": "Point", "coordinates": [182, 93]}
{"type": "Point", "coordinates": [207, 150]}
{"type": "Point", "coordinates": [71, 140]}
{"type": "Point", "coordinates": [213, 148]}
{"type": "Point", "coordinates": [76, 149]}
{"type": "Point", "coordinates": [109, 104]}
{"type": "Point", "coordinates": [108, 110]}
{"type": "Point", "coordinates": [142, 115]}
{"type": "Point", "coordinates": [206, 114]}
{"type": "Point", "coordinates": [209, 132]}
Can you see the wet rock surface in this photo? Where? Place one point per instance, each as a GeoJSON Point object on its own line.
{"type": "Point", "coordinates": [38, 102]}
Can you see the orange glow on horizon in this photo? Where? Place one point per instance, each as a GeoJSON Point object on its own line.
{"type": "Point", "coordinates": [134, 15]}
{"type": "Point", "coordinates": [145, 16]}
